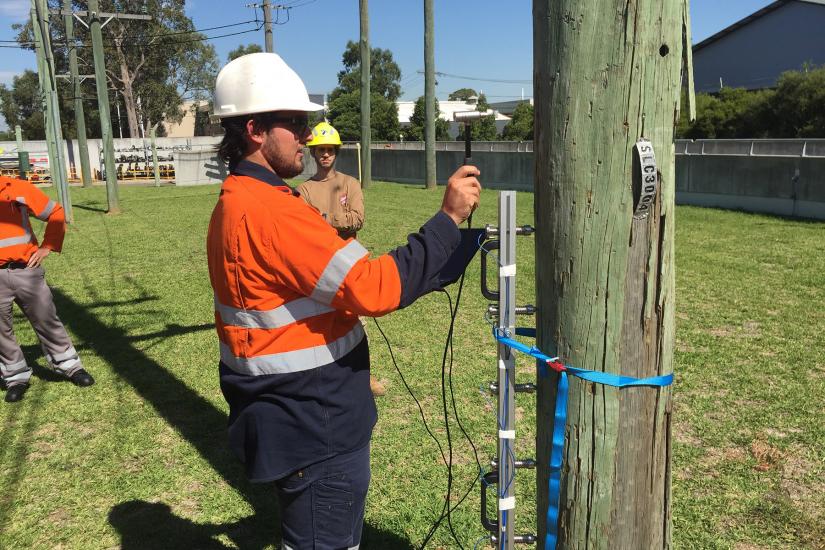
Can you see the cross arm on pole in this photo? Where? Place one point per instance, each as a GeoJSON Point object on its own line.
{"type": "Point", "coordinates": [116, 15]}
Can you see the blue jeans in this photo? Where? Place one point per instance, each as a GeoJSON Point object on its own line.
{"type": "Point", "coordinates": [322, 505]}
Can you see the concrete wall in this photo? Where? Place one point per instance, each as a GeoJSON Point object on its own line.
{"type": "Point", "coordinates": [785, 177]}
{"type": "Point", "coordinates": [499, 170]}
{"type": "Point", "coordinates": [781, 184]}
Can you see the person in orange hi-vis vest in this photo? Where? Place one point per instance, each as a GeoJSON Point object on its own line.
{"type": "Point", "coordinates": [22, 280]}
{"type": "Point", "coordinates": [294, 360]}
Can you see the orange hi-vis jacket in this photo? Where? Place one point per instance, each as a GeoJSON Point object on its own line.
{"type": "Point", "coordinates": [288, 292]}
{"type": "Point", "coordinates": [19, 199]}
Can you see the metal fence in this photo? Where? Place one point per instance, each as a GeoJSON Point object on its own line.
{"type": "Point", "coordinates": [783, 148]}
{"type": "Point", "coordinates": [480, 146]}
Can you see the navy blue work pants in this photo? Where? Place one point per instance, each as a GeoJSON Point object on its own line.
{"type": "Point", "coordinates": [322, 505]}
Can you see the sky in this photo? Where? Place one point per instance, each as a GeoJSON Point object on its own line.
{"type": "Point", "coordinates": [483, 41]}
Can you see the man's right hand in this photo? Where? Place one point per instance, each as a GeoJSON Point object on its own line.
{"type": "Point", "coordinates": [462, 194]}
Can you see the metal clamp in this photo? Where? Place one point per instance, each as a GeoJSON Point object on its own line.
{"type": "Point", "coordinates": [527, 387]}
{"type": "Point", "coordinates": [527, 463]}
{"type": "Point", "coordinates": [485, 290]}
{"type": "Point", "coordinates": [490, 478]}
{"type": "Point", "coordinates": [529, 309]}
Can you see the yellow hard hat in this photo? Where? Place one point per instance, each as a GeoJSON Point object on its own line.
{"type": "Point", "coordinates": [324, 134]}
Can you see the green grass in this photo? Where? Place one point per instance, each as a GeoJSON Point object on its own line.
{"type": "Point", "coordinates": [140, 460]}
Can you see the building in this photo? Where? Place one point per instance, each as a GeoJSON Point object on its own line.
{"type": "Point", "coordinates": [446, 111]}
{"type": "Point", "coordinates": [752, 53]}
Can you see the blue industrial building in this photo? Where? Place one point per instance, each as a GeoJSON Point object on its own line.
{"type": "Point", "coordinates": [752, 53]}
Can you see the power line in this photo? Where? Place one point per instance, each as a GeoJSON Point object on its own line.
{"type": "Point", "coordinates": [164, 43]}
{"type": "Point", "coordinates": [152, 36]}
{"type": "Point", "coordinates": [499, 80]}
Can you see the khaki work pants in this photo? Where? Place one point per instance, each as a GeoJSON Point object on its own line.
{"type": "Point", "coordinates": [27, 287]}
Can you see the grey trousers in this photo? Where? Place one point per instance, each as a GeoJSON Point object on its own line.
{"type": "Point", "coordinates": [28, 288]}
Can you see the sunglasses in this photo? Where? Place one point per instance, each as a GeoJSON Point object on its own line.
{"type": "Point", "coordinates": [298, 124]}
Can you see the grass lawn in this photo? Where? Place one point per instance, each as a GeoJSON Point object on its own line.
{"type": "Point", "coordinates": [139, 460]}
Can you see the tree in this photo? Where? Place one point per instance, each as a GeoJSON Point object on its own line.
{"type": "Point", "coordinates": [462, 94]}
{"type": "Point", "coordinates": [730, 114]}
{"type": "Point", "coordinates": [798, 106]}
{"type": "Point", "coordinates": [520, 127]}
{"type": "Point", "coordinates": [243, 50]}
{"type": "Point", "coordinates": [483, 129]}
{"type": "Point", "coordinates": [385, 88]}
{"type": "Point", "coordinates": [21, 105]}
{"type": "Point", "coordinates": [415, 130]}
{"type": "Point", "coordinates": [154, 65]}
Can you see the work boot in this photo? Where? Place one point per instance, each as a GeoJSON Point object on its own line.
{"type": "Point", "coordinates": [15, 393]}
{"type": "Point", "coordinates": [82, 378]}
{"type": "Point", "coordinates": [377, 387]}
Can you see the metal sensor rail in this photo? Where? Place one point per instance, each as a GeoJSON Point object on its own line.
{"type": "Point", "coordinates": [504, 311]}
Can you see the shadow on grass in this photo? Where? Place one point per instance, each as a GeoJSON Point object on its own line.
{"type": "Point", "coordinates": [153, 525]}
{"type": "Point", "coordinates": [89, 208]}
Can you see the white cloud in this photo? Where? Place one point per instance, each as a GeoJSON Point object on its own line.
{"type": "Point", "coordinates": [16, 10]}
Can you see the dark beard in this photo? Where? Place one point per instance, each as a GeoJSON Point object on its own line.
{"type": "Point", "coordinates": [282, 166]}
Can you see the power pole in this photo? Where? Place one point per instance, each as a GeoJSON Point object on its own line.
{"type": "Point", "coordinates": [268, 27]}
{"type": "Point", "coordinates": [366, 132]}
{"type": "Point", "coordinates": [607, 75]}
{"type": "Point", "coordinates": [48, 82]}
{"type": "Point", "coordinates": [429, 94]}
{"type": "Point", "coordinates": [80, 119]}
{"type": "Point", "coordinates": [154, 157]}
{"type": "Point", "coordinates": [95, 27]}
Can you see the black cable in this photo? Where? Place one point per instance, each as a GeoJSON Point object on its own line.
{"type": "Point", "coordinates": [409, 390]}
{"type": "Point", "coordinates": [446, 510]}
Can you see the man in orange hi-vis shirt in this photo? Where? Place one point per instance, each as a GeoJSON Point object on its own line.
{"type": "Point", "coordinates": [22, 280]}
{"type": "Point", "coordinates": [294, 360]}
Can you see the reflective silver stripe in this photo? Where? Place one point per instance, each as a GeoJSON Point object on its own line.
{"type": "Point", "coordinates": [44, 215]}
{"type": "Point", "coordinates": [68, 354]}
{"type": "Point", "coordinates": [27, 235]}
{"type": "Point", "coordinates": [281, 316]}
{"type": "Point", "coordinates": [16, 372]}
{"type": "Point", "coordinates": [336, 271]}
{"type": "Point", "coordinates": [293, 361]}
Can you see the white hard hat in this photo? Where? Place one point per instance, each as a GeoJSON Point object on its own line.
{"type": "Point", "coordinates": [259, 83]}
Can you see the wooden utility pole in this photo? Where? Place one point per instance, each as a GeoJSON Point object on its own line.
{"type": "Point", "coordinates": [268, 47]}
{"type": "Point", "coordinates": [429, 94]}
{"type": "Point", "coordinates": [606, 74]}
{"type": "Point", "coordinates": [48, 86]}
{"type": "Point", "coordinates": [155, 170]}
{"type": "Point", "coordinates": [103, 108]}
{"type": "Point", "coordinates": [80, 119]}
{"type": "Point", "coordinates": [366, 132]}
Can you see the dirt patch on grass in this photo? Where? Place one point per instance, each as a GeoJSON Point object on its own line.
{"type": "Point", "coordinates": [767, 456]}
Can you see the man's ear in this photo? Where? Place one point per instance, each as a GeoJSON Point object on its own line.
{"type": "Point", "coordinates": [252, 134]}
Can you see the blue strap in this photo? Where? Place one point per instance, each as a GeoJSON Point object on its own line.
{"type": "Point", "coordinates": [560, 418]}
{"type": "Point", "coordinates": [597, 377]}
{"type": "Point", "coordinates": [556, 455]}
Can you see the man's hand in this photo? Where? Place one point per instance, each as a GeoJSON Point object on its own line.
{"type": "Point", "coordinates": [462, 194]}
{"type": "Point", "coordinates": [38, 256]}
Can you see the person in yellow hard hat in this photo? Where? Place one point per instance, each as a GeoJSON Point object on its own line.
{"type": "Point", "coordinates": [335, 195]}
